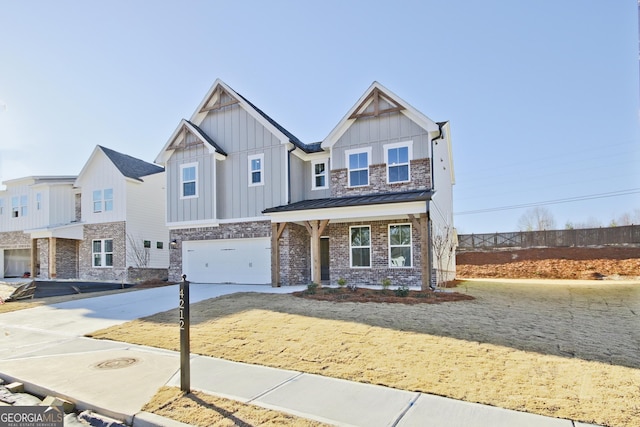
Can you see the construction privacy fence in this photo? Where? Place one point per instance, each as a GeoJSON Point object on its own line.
{"type": "Point", "coordinates": [625, 235]}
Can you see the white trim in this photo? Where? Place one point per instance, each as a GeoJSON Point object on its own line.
{"type": "Point", "coordinates": [387, 147]}
{"type": "Point", "coordinates": [354, 213]}
{"type": "Point", "coordinates": [179, 225]}
{"type": "Point", "coordinates": [400, 246]}
{"type": "Point", "coordinates": [348, 153]}
{"type": "Point", "coordinates": [314, 175]}
{"type": "Point", "coordinates": [359, 247]}
{"type": "Point", "coordinates": [250, 160]}
{"type": "Point", "coordinates": [182, 182]}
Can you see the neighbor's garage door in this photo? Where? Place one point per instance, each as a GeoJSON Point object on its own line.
{"type": "Point", "coordinates": [16, 262]}
{"type": "Point", "coordinates": [245, 261]}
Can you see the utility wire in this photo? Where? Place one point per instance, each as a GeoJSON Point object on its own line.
{"type": "Point", "coordinates": [554, 202]}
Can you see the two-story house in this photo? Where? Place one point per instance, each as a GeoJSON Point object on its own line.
{"type": "Point", "coordinates": [248, 202]}
{"type": "Point", "coordinates": [107, 223]}
{"type": "Point", "coordinates": [37, 203]}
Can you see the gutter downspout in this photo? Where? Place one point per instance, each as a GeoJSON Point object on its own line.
{"type": "Point", "coordinates": [430, 224]}
{"type": "Point", "coordinates": [289, 173]}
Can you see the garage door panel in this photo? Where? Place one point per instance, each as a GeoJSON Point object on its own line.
{"type": "Point", "coordinates": [246, 261]}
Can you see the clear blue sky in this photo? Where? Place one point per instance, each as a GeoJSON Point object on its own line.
{"type": "Point", "coordinates": [542, 96]}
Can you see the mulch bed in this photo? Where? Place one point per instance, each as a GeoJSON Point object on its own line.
{"type": "Point", "coordinates": [382, 295]}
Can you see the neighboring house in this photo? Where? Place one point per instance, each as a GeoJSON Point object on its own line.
{"type": "Point", "coordinates": [122, 201]}
{"type": "Point", "coordinates": [107, 223]}
{"type": "Point", "coordinates": [248, 202]}
{"type": "Point", "coordinates": [36, 202]}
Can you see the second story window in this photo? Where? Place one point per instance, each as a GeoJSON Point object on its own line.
{"type": "Point", "coordinates": [1, 206]}
{"type": "Point", "coordinates": [189, 182]}
{"type": "Point", "coordinates": [358, 164]}
{"type": "Point", "coordinates": [38, 201]}
{"type": "Point", "coordinates": [319, 177]}
{"type": "Point", "coordinates": [397, 157]}
{"type": "Point", "coordinates": [256, 170]}
{"type": "Point", "coordinates": [19, 206]}
{"type": "Point", "coordinates": [103, 200]}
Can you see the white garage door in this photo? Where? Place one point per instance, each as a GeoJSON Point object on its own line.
{"type": "Point", "coordinates": [246, 261]}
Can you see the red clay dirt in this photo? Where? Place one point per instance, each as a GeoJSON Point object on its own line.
{"type": "Point", "coordinates": [551, 263]}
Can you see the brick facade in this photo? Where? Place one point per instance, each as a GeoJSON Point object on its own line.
{"type": "Point", "coordinates": [66, 259]}
{"type": "Point", "coordinates": [15, 240]}
{"type": "Point", "coordinates": [295, 256]}
{"type": "Point", "coordinates": [114, 231]}
{"type": "Point", "coordinates": [420, 180]}
{"type": "Point", "coordinates": [339, 248]}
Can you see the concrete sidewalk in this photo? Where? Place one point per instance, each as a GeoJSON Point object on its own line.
{"type": "Point", "coordinates": [44, 348]}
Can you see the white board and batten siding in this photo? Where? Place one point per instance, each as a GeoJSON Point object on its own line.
{"type": "Point", "coordinates": [100, 174]}
{"type": "Point", "coordinates": [239, 261]}
{"type": "Point", "coordinates": [146, 219]}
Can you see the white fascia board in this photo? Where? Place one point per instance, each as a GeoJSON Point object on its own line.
{"type": "Point", "coordinates": [307, 157]}
{"type": "Point", "coordinates": [69, 231]}
{"type": "Point", "coordinates": [179, 225]}
{"type": "Point", "coordinates": [351, 213]}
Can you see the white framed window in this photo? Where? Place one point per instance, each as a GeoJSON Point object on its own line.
{"type": "Point", "coordinates": [102, 200]}
{"type": "Point", "coordinates": [188, 180]}
{"type": "Point", "coordinates": [38, 201]}
{"type": "Point", "coordinates": [400, 247]}
{"type": "Point", "coordinates": [398, 157]}
{"type": "Point", "coordinates": [102, 251]}
{"type": "Point", "coordinates": [108, 199]}
{"type": "Point", "coordinates": [1, 206]}
{"type": "Point", "coordinates": [15, 207]}
{"type": "Point", "coordinates": [360, 246]}
{"type": "Point", "coordinates": [256, 170]}
{"type": "Point", "coordinates": [19, 206]}
{"type": "Point", "coordinates": [358, 166]}
{"type": "Point", "coordinates": [319, 175]}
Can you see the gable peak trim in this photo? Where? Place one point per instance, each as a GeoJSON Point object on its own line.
{"type": "Point", "coordinates": [218, 99]}
{"type": "Point", "coordinates": [375, 98]}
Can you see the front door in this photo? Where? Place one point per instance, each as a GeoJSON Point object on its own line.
{"type": "Point", "coordinates": [324, 258]}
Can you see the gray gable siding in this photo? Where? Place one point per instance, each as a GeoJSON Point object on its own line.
{"type": "Point", "coordinates": [223, 185]}
{"type": "Point", "coordinates": [375, 132]}
{"type": "Point", "coordinates": [193, 209]}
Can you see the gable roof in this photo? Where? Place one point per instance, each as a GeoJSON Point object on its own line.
{"type": "Point", "coordinates": [374, 95]}
{"type": "Point", "coordinates": [214, 100]}
{"type": "Point", "coordinates": [129, 166]}
{"type": "Point", "coordinates": [195, 130]}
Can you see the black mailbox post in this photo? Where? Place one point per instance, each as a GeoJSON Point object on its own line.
{"type": "Point", "coordinates": [185, 352]}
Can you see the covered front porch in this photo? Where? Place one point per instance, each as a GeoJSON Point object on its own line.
{"type": "Point", "coordinates": [354, 238]}
{"type": "Point", "coordinates": [54, 251]}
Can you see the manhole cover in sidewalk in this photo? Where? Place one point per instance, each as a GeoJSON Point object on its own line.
{"type": "Point", "coordinates": [121, 362]}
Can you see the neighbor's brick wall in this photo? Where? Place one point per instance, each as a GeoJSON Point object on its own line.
{"type": "Point", "coordinates": [420, 180]}
{"type": "Point", "coordinates": [67, 258]}
{"type": "Point", "coordinates": [240, 230]}
{"type": "Point", "coordinates": [340, 256]}
{"type": "Point", "coordinates": [143, 274]}
{"type": "Point", "coordinates": [112, 230]}
{"type": "Point", "coordinates": [15, 240]}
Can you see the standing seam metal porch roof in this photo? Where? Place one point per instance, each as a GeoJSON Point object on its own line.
{"type": "Point", "coordinates": [353, 201]}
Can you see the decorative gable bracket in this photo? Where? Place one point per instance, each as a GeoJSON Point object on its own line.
{"type": "Point", "coordinates": [375, 100]}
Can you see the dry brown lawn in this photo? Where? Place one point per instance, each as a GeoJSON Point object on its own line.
{"type": "Point", "coordinates": [205, 410]}
{"type": "Point", "coordinates": [568, 350]}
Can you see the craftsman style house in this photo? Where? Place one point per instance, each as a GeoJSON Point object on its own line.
{"type": "Point", "coordinates": [107, 223]}
{"type": "Point", "coordinates": [248, 202]}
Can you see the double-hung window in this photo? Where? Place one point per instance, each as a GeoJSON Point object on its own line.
{"type": "Point", "coordinates": [400, 245]}
{"type": "Point", "coordinates": [102, 251]}
{"type": "Point", "coordinates": [358, 166]}
{"type": "Point", "coordinates": [319, 177]}
{"type": "Point", "coordinates": [1, 206]}
{"type": "Point", "coordinates": [19, 206]}
{"type": "Point", "coordinates": [256, 170]}
{"type": "Point", "coordinates": [360, 245]}
{"type": "Point", "coordinates": [103, 200]}
{"type": "Point", "coordinates": [189, 180]}
{"type": "Point", "coordinates": [38, 201]}
{"type": "Point", "coordinates": [397, 158]}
